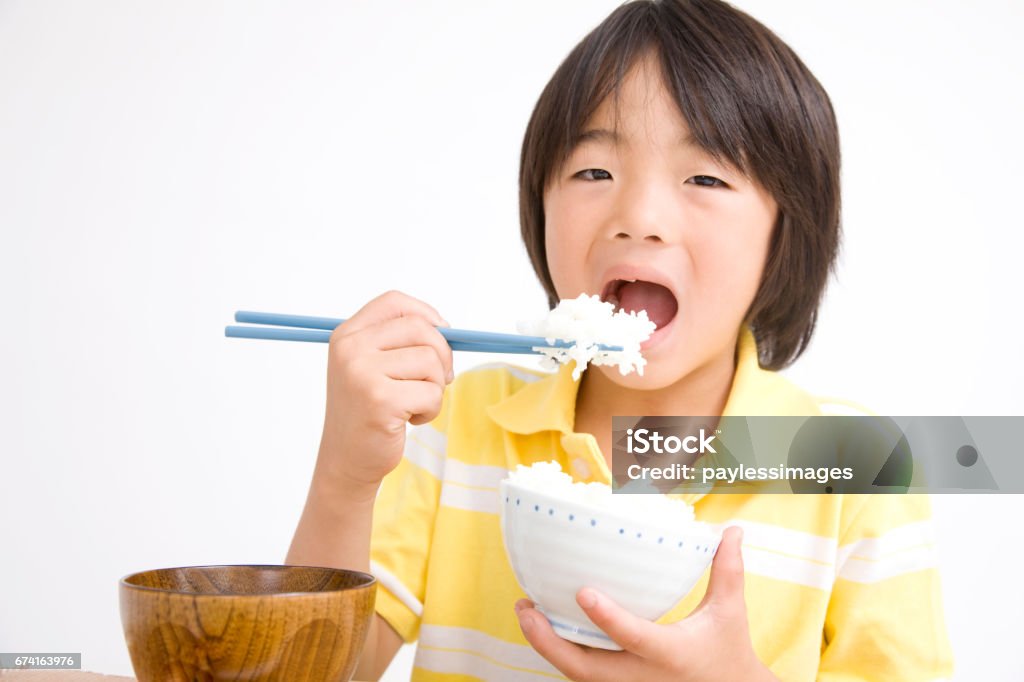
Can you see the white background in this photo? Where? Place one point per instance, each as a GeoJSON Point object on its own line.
{"type": "Point", "coordinates": [164, 164]}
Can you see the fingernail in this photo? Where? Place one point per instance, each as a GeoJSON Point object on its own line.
{"type": "Point", "coordinates": [588, 599]}
{"type": "Point", "coordinates": [525, 622]}
{"type": "Point", "coordinates": [451, 376]}
{"type": "Point", "coordinates": [444, 323]}
{"type": "Point", "coordinates": [519, 606]}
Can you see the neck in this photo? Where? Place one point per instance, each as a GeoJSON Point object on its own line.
{"type": "Point", "coordinates": [702, 392]}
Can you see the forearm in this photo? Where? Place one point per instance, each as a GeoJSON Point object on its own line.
{"type": "Point", "coordinates": [335, 526]}
{"type": "Point", "coordinates": [334, 530]}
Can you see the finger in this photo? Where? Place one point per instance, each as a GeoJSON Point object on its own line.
{"type": "Point", "coordinates": [725, 584]}
{"type": "Point", "coordinates": [523, 604]}
{"type": "Point", "coordinates": [421, 400]}
{"type": "Point", "coordinates": [418, 363]}
{"type": "Point", "coordinates": [572, 660]}
{"type": "Point", "coordinates": [409, 331]}
{"type": "Point", "coordinates": [632, 633]}
{"type": "Point", "coordinates": [390, 305]}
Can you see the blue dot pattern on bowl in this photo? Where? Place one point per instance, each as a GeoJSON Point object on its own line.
{"type": "Point", "coordinates": [622, 531]}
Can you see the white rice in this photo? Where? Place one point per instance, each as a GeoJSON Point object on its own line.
{"type": "Point", "coordinates": [589, 322]}
{"type": "Point", "coordinates": [653, 509]}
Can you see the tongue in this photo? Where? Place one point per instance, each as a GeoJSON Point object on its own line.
{"type": "Point", "coordinates": [660, 304]}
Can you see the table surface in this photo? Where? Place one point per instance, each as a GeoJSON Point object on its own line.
{"type": "Point", "coordinates": [60, 676]}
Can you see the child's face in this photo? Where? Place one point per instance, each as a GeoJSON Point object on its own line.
{"type": "Point", "coordinates": [649, 207]}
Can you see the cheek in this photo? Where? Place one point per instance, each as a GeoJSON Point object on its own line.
{"type": "Point", "coordinates": [565, 264]}
{"type": "Point", "coordinates": [554, 237]}
{"type": "Point", "coordinates": [562, 242]}
{"type": "Point", "coordinates": [729, 262]}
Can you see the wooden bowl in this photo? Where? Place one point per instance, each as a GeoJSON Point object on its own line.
{"type": "Point", "coordinates": [251, 623]}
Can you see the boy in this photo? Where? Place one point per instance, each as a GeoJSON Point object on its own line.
{"type": "Point", "coordinates": [684, 161]}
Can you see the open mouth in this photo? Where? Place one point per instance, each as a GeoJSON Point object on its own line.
{"type": "Point", "coordinates": [634, 295]}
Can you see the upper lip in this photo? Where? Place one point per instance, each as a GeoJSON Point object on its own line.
{"type": "Point", "coordinates": [626, 271]}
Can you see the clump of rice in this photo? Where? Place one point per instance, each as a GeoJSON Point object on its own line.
{"type": "Point", "coordinates": [654, 509]}
{"type": "Point", "coordinates": [589, 322]}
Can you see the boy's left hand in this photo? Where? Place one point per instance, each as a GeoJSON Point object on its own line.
{"type": "Point", "coordinates": [712, 643]}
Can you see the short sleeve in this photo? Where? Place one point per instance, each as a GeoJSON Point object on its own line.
{"type": "Point", "coordinates": [885, 618]}
{"type": "Point", "coordinates": [403, 525]}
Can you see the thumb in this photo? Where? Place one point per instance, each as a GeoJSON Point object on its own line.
{"type": "Point", "coordinates": [725, 584]}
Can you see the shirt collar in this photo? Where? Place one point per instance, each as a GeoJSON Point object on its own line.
{"type": "Point", "coordinates": [549, 404]}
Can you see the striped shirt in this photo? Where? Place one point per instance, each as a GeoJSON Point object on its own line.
{"type": "Point", "coordinates": [838, 587]}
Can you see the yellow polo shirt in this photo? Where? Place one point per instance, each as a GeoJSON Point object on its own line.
{"type": "Point", "coordinates": [838, 587]}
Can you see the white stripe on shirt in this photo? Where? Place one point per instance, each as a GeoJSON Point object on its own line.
{"type": "Point", "coordinates": [425, 447]}
{"type": "Point", "coordinates": [465, 651]}
{"type": "Point", "coordinates": [785, 554]}
{"type": "Point", "coordinates": [470, 499]}
{"type": "Point", "coordinates": [905, 549]}
{"type": "Point", "coordinates": [473, 487]}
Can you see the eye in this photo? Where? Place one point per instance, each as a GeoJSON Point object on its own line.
{"type": "Point", "coordinates": [594, 174]}
{"type": "Point", "coordinates": [707, 181]}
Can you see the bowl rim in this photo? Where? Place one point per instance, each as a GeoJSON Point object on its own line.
{"type": "Point", "coordinates": [369, 581]}
{"type": "Point", "coordinates": [697, 528]}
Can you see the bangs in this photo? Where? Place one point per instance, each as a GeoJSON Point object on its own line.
{"type": "Point", "coordinates": [696, 76]}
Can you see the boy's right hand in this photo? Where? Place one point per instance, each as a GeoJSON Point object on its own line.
{"type": "Point", "coordinates": [387, 365]}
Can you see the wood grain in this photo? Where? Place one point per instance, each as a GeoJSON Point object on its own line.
{"type": "Point", "coordinates": [246, 623]}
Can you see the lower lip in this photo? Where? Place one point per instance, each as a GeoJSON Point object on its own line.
{"type": "Point", "coordinates": [659, 334]}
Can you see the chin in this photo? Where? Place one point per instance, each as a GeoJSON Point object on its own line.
{"type": "Point", "coordinates": [656, 376]}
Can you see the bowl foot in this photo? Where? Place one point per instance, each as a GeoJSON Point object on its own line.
{"type": "Point", "coordinates": [585, 633]}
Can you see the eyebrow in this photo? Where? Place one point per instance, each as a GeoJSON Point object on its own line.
{"type": "Point", "coordinates": [605, 136]}
{"type": "Point", "coordinates": [598, 135]}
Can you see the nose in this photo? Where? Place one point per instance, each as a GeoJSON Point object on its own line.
{"type": "Point", "coordinates": [643, 211]}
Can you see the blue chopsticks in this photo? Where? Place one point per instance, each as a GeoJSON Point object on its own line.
{"type": "Point", "coordinates": [318, 330]}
